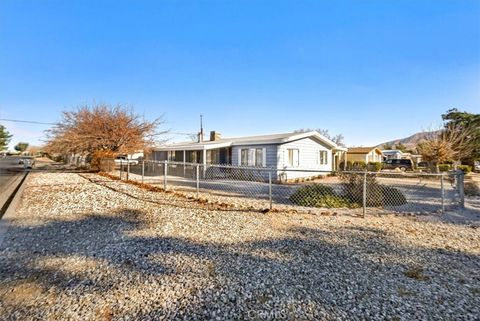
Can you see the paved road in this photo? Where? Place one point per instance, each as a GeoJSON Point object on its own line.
{"type": "Point", "coordinates": [9, 168]}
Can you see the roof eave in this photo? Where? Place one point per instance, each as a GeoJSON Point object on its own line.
{"type": "Point", "coordinates": [315, 134]}
{"type": "Point", "coordinates": [198, 146]}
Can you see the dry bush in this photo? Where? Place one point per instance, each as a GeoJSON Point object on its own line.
{"type": "Point", "coordinates": [449, 144]}
{"type": "Point", "coordinates": [472, 189]}
{"type": "Point", "coordinates": [98, 156]}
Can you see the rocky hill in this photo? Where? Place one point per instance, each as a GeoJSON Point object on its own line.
{"type": "Point", "coordinates": [410, 141]}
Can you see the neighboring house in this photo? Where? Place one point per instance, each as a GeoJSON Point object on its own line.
{"type": "Point", "coordinates": [294, 151]}
{"type": "Point", "coordinates": [398, 154]}
{"type": "Point", "coordinates": [415, 158]}
{"type": "Point", "coordinates": [392, 154]}
{"type": "Point", "coordinates": [364, 154]}
{"type": "Point", "coordinates": [135, 155]}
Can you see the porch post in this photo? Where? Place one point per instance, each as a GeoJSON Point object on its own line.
{"type": "Point", "coordinates": [204, 161]}
{"type": "Point", "coordinates": [345, 160]}
{"type": "Point", "coordinates": [184, 161]}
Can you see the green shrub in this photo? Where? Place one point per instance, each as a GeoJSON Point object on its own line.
{"type": "Point", "coordinates": [332, 201]}
{"type": "Point", "coordinates": [378, 195]}
{"type": "Point", "coordinates": [465, 168]}
{"type": "Point", "coordinates": [359, 165]}
{"type": "Point", "coordinates": [392, 196]}
{"type": "Point", "coordinates": [374, 166]}
{"type": "Point", "coordinates": [351, 196]}
{"type": "Point", "coordinates": [310, 195]}
{"type": "Point", "coordinates": [318, 195]}
{"type": "Point", "coordinates": [349, 166]}
{"type": "Point", "coordinates": [444, 167]}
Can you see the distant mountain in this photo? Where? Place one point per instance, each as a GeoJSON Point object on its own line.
{"type": "Point", "coordinates": [410, 141]}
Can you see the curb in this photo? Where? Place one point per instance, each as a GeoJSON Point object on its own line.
{"type": "Point", "coordinates": [10, 211]}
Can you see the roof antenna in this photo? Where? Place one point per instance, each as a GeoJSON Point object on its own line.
{"type": "Point", "coordinates": [200, 135]}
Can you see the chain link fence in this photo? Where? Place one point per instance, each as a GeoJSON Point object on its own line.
{"type": "Point", "coordinates": [313, 190]}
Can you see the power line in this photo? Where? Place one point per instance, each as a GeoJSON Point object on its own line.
{"type": "Point", "coordinates": [27, 121]}
{"type": "Point", "coordinates": [177, 133]}
{"type": "Point", "coordinates": [42, 123]}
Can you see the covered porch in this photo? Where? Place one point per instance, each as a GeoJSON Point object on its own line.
{"type": "Point", "coordinates": [339, 156]}
{"type": "Point", "coordinates": [205, 156]}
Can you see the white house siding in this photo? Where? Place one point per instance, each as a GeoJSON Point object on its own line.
{"type": "Point", "coordinates": [309, 151]}
{"type": "Point", "coordinates": [374, 157]}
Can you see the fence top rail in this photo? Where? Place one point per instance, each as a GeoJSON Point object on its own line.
{"type": "Point", "coordinates": [404, 174]}
{"type": "Point", "coordinates": [308, 170]}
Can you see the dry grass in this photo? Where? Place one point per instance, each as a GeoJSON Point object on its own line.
{"type": "Point", "coordinates": [417, 273]}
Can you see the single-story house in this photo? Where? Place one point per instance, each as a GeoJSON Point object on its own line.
{"type": "Point", "coordinates": [364, 154]}
{"type": "Point", "coordinates": [281, 152]}
{"type": "Point", "coordinates": [392, 154]}
{"type": "Point", "coordinates": [398, 154]}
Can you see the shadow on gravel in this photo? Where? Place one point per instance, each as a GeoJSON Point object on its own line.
{"type": "Point", "coordinates": [306, 274]}
{"type": "Point", "coordinates": [194, 203]}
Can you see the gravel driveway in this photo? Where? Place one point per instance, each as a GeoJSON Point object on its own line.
{"type": "Point", "coordinates": [83, 247]}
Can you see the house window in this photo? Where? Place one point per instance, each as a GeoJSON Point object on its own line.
{"type": "Point", "coordinates": [192, 156]}
{"type": "Point", "coordinates": [213, 156]}
{"type": "Point", "coordinates": [293, 157]}
{"type": "Point", "coordinates": [252, 157]}
{"type": "Point", "coordinates": [323, 157]}
{"type": "Point", "coordinates": [244, 157]}
{"type": "Point", "coordinates": [259, 157]}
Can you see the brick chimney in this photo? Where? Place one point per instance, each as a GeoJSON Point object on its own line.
{"type": "Point", "coordinates": [214, 135]}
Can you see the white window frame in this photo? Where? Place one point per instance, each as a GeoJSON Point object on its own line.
{"type": "Point", "coordinates": [252, 157]}
{"type": "Point", "coordinates": [291, 161]}
{"type": "Point", "coordinates": [240, 156]}
{"type": "Point", "coordinates": [322, 160]}
{"type": "Point", "coordinates": [263, 161]}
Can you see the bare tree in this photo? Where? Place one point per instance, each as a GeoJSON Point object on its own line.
{"type": "Point", "coordinates": [102, 128]}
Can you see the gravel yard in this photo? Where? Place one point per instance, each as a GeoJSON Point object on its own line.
{"type": "Point", "coordinates": [84, 247]}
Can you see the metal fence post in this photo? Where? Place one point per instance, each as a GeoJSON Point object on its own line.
{"type": "Point", "coordinates": [128, 169]}
{"type": "Point", "coordinates": [198, 178]}
{"type": "Point", "coordinates": [443, 193]}
{"type": "Point", "coordinates": [364, 194]}
{"type": "Point", "coordinates": [165, 172]}
{"type": "Point", "coordinates": [143, 170]}
{"type": "Point", "coordinates": [270, 188]}
{"type": "Point", "coordinates": [461, 190]}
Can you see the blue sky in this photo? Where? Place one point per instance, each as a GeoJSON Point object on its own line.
{"type": "Point", "coordinates": [371, 70]}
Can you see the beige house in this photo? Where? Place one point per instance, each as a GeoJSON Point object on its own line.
{"type": "Point", "coordinates": [365, 154]}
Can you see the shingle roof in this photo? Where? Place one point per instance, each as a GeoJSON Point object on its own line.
{"type": "Point", "coordinates": [248, 140]}
{"type": "Point", "coordinates": [362, 150]}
